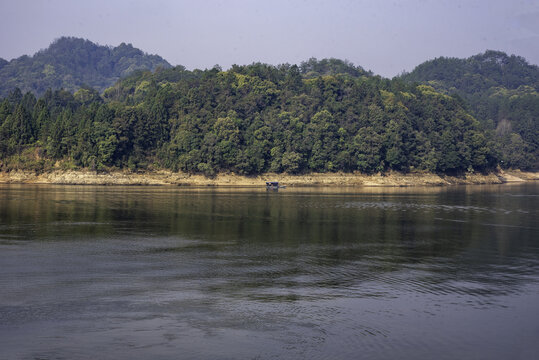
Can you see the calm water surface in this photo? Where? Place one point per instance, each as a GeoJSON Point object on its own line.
{"type": "Point", "coordinates": [186, 273]}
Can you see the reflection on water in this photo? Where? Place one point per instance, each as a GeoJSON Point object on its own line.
{"type": "Point", "coordinates": [318, 273]}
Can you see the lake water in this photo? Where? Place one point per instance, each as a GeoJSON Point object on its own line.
{"type": "Point", "coordinates": [309, 273]}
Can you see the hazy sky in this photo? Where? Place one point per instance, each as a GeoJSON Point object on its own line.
{"type": "Point", "coordinates": [383, 36]}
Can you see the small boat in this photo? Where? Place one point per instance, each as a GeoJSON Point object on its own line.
{"type": "Point", "coordinates": [274, 185]}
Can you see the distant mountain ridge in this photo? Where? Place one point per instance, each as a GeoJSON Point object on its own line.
{"type": "Point", "coordinates": [476, 73]}
{"type": "Point", "coordinates": [71, 63]}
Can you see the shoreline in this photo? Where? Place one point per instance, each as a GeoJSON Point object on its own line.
{"type": "Point", "coordinates": [162, 177]}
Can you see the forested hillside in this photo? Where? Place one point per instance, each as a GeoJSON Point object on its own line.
{"type": "Point", "coordinates": [501, 91]}
{"type": "Point", "coordinates": [321, 116]}
{"type": "Point", "coordinates": [70, 63]}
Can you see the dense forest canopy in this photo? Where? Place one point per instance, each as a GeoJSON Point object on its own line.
{"type": "Point", "coordinates": [321, 116]}
{"type": "Point", "coordinates": [501, 91]}
{"type": "Point", "coordinates": [250, 119]}
{"type": "Point", "coordinates": [70, 63]}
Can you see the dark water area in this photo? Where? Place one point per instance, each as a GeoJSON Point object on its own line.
{"type": "Point", "coordinates": [237, 273]}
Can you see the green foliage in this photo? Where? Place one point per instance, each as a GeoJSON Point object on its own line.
{"type": "Point", "coordinates": [502, 93]}
{"type": "Point", "coordinates": [324, 116]}
{"type": "Point", "coordinates": [314, 68]}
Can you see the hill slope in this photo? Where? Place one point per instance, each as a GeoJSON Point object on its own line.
{"type": "Point", "coordinates": [70, 63]}
{"type": "Point", "coordinates": [501, 91]}
{"type": "Point", "coordinates": [249, 120]}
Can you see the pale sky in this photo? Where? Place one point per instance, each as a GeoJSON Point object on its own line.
{"type": "Point", "coordinates": [385, 36]}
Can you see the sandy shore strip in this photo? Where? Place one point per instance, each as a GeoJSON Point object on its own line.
{"type": "Point", "coordinates": [82, 177]}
